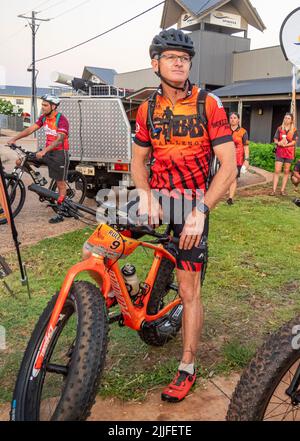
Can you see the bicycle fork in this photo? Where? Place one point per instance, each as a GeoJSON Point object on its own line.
{"type": "Point", "coordinates": [293, 388]}
{"type": "Point", "coordinates": [91, 264]}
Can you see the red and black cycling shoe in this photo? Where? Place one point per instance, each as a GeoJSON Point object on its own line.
{"type": "Point", "coordinates": [179, 387]}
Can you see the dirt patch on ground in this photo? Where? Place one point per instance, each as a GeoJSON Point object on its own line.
{"type": "Point", "coordinates": [255, 191]}
{"type": "Point", "coordinates": [208, 402]}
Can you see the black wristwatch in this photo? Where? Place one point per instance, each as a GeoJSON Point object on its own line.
{"type": "Point", "coordinates": [203, 208]}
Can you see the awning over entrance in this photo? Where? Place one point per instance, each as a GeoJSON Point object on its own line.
{"type": "Point", "coordinates": [141, 95]}
{"type": "Point", "coordinates": [264, 86]}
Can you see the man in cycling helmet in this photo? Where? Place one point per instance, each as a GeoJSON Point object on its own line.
{"type": "Point", "coordinates": [56, 152]}
{"type": "Point", "coordinates": [181, 143]}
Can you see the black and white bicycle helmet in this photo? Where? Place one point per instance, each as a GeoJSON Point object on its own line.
{"type": "Point", "coordinates": [171, 39]}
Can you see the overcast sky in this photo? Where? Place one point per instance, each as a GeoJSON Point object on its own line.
{"type": "Point", "coordinates": [124, 50]}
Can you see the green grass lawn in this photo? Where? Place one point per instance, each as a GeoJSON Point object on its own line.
{"type": "Point", "coordinates": [252, 286]}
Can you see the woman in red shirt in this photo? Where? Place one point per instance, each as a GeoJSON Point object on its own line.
{"type": "Point", "coordinates": [285, 139]}
{"type": "Point", "coordinates": [241, 141]}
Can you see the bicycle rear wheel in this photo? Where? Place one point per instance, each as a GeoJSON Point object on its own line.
{"type": "Point", "coordinates": [17, 194]}
{"type": "Point", "coordinates": [66, 386]}
{"type": "Point", "coordinates": [76, 186]}
{"type": "Point", "coordinates": [261, 394]}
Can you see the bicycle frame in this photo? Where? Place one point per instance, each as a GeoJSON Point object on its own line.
{"type": "Point", "coordinates": [111, 277]}
{"type": "Point", "coordinates": [26, 167]}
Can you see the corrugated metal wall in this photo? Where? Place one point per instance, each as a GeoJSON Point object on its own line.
{"type": "Point", "coordinates": [11, 122]}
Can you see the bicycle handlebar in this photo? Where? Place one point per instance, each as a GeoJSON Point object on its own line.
{"type": "Point", "coordinates": [17, 147]}
{"type": "Point", "coordinates": [25, 152]}
{"type": "Point", "coordinates": [71, 207]}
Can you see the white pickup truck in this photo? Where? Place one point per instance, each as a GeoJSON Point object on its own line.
{"type": "Point", "coordinates": [100, 140]}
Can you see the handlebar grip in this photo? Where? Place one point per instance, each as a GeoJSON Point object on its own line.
{"type": "Point", "coordinates": [41, 191]}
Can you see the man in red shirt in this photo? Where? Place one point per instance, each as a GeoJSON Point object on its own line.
{"type": "Point", "coordinates": [56, 152]}
{"type": "Point", "coordinates": [180, 146]}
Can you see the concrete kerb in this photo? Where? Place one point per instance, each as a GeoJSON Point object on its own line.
{"type": "Point", "coordinates": [268, 177]}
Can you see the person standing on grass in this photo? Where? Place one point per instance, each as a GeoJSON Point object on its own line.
{"type": "Point", "coordinates": [181, 146]}
{"type": "Point", "coordinates": [295, 176]}
{"type": "Point", "coordinates": [285, 139]}
{"type": "Point", "coordinates": [241, 141]}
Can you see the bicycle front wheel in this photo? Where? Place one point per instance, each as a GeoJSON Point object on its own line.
{"type": "Point", "coordinates": [262, 393]}
{"type": "Point", "coordinates": [66, 386]}
{"type": "Point", "coordinates": [17, 194]}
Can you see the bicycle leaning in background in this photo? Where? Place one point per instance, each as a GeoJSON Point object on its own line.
{"type": "Point", "coordinates": [76, 183]}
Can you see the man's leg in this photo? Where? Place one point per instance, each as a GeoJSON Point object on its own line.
{"type": "Point", "coordinates": [192, 323]}
{"type": "Point", "coordinates": [62, 188]}
{"type": "Point", "coordinates": [193, 314]}
{"type": "Point", "coordinates": [58, 164]}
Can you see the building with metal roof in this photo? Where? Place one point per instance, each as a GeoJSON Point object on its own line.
{"type": "Point", "coordinates": [23, 91]}
{"type": "Point", "coordinates": [256, 83]}
{"type": "Point", "coordinates": [20, 96]}
{"type": "Point", "coordinates": [189, 13]}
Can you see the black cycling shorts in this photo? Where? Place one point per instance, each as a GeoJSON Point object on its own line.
{"type": "Point", "coordinates": [175, 213]}
{"type": "Point", "coordinates": [58, 164]}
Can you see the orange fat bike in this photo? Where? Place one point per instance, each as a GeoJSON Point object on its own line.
{"type": "Point", "coordinates": [64, 360]}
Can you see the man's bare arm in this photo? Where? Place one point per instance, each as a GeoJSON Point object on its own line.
{"type": "Point", "coordinates": [139, 172]}
{"type": "Point", "coordinates": [148, 205]}
{"type": "Point", "coordinates": [24, 133]}
{"type": "Point", "coordinates": [225, 176]}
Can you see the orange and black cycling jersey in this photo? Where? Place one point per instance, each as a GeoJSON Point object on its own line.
{"type": "Point", "coordinates": [240, 139]}
{"type": "Point", "coordinates": [181, 152]}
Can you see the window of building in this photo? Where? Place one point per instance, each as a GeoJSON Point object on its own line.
{"type": "Point", "coordinates": [19, 101]}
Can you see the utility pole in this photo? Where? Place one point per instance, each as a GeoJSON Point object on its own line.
{"type": "Point", "coordinates": [34, 28]}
